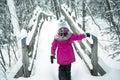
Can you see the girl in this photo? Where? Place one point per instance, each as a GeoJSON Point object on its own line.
{"type": "Point", "coordinates": [65, 54]}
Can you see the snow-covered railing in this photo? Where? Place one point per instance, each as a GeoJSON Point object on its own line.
{"type": "Point", "coordinates": [91, 56]}
{"type": "Point", "coordinates": [28, 44]}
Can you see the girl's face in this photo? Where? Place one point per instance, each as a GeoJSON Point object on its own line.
{"type": "Point", "coordinates": [63, 32]}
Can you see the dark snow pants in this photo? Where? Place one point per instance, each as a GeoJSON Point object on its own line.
{"type": "Point", "coordinates": [65, 72]}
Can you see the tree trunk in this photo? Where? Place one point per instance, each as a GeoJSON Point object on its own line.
{"type": "Point", "coordinates": [84, 14]}
{"type": "Point", "coordinates": [73, 7]}
{"type": "Point", "coordinates": [110, 18]}
{"type": "Point", "coordinates": [57, 11]}
{"type": "Point", "coordinates": [8, 48]}
{"type": "Point", "coordinates": [14, 21]}
{"type": "Point", "coordinates": [2, 57]}
{"type": "Point", "coordinates": [3, 66]}
{"type": "Point", "coordinates": [68, 3]}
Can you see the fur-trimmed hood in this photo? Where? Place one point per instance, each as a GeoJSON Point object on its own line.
{"type": "Point", "coordinates": [60, 38]}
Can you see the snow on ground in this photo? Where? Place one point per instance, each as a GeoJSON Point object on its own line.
{"type": "Point", "coordinates": [44, 70]}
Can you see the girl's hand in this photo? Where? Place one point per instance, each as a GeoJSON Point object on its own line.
{"type": "Point", "coordinates": [52, 57]}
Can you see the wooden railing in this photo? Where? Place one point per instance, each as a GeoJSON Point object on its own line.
{"type": "Point", "coordinates": [91, 52]}
{"type": "Point", "coordinates": [30, 42]}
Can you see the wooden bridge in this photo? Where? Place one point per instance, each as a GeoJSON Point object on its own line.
{"type": "Point", "coordinates": [86, 49]}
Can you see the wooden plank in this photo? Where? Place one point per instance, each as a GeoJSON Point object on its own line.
{"type": "Point", "coordinates": [81, 56]}
{"type": "Point", "coordinates": [101, 71]}
{"type": "Point", "coordinates": [93, 54]}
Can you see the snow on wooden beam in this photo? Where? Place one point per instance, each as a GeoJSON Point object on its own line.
{"type": "Point", "coordinates": [34, 21]}
{"type": "Point", "coordinates": [91, 42]}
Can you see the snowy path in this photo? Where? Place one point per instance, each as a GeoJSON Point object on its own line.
{"type": "Point", "coordinates": [44, 70]}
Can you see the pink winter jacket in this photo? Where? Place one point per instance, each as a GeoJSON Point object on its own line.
{"type": "Point", "coordinates": [65, 53]}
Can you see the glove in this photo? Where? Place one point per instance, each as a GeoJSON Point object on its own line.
{"type": "Point", "coordinates": [88, 34]}
{"type": "Point", "coordinates": [52, 57]}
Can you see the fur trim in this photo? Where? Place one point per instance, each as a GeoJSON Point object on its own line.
{"type": "Point", "coordinates": [60, 38]}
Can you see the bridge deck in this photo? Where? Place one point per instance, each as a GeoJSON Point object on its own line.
{"type": "Point", "coordinates": [44, 67]}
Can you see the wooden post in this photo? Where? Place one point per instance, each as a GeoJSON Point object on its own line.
{"type": "Point", "coordinates": [25, 59]}
{"type": "Point", "coordinates": [94, 56]}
